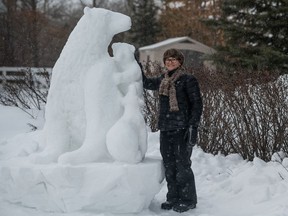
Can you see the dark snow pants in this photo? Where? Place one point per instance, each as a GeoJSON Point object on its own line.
{"type": "Point", "coordinates": [176, 159]}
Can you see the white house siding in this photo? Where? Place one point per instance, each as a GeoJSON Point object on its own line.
{"type": "Point", "coordinates": [187, 45]}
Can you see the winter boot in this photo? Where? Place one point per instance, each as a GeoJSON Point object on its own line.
{"type": "Point", "coordinates": [168, 205]}
{"type": "Point", "coordinates": [183, 207]}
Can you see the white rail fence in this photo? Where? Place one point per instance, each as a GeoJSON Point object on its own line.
{"type": "Point", "coordinates": [18, 74]}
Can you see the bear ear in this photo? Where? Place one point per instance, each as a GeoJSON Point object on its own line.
{"type": "Point", "coordinates": [87, 10]}
{"type": "Point", "coordinates": [131, 48]}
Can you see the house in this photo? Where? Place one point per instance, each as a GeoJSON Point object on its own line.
{"type": "Point", "coordinates": [192, 50]}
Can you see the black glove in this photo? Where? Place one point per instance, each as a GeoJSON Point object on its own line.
{"type": "Point", "coordinates": [191, 135]}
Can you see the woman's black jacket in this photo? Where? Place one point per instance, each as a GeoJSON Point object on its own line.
{"type": "Point", "coordinates": [189, 102]}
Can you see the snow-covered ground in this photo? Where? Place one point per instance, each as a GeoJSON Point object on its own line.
{"type": "Point", "coordinates": [226, 186]}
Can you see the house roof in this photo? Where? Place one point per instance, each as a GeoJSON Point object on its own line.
{"type": "Point", "coordinates": [172, 41]}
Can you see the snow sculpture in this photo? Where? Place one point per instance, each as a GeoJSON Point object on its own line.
{"type": "Point", "coordinates": [93, 118]}
{"type": "Point", "coordinates": [129, 128]}
{"type": "Point", "coordinates": [93, 94]}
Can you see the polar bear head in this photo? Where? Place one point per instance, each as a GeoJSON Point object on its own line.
{"type": "Point", "coordinates": [112, 22]}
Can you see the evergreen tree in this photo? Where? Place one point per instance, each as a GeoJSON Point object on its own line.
{"type": "Point", "coordinates": [145, 26]}
{"type": "Point", "coordinates": [256, 34]}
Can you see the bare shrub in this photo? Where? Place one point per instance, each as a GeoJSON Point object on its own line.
{"type": "Point", "coordinates": [244, 113]}
{"type": "Point", "coordinates": [151, 98]}
{"type": "Point", "coordinates": [26, 89]}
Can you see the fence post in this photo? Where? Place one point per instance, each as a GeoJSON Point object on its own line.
{"type": "Point", "coordinates": [3, 73]}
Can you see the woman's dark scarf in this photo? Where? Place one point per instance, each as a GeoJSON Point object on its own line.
{"type": "Point", "coordinates": [167, 88]}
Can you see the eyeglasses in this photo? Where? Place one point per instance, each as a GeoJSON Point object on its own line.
{"type": "Point", "coordinates": [171, 60]}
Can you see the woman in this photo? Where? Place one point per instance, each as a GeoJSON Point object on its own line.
{"type": "Point", "coordinates": [179, 116]}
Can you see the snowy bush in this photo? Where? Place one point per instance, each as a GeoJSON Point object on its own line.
{"type": "Point", "coordinates": [245, 114]}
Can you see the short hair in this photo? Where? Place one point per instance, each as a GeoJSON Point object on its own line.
{"type": "Point", "coordinates": [174, 53]}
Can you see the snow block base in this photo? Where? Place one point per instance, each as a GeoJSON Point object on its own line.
{"type": "Point", "coordinates": [105, 187]}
